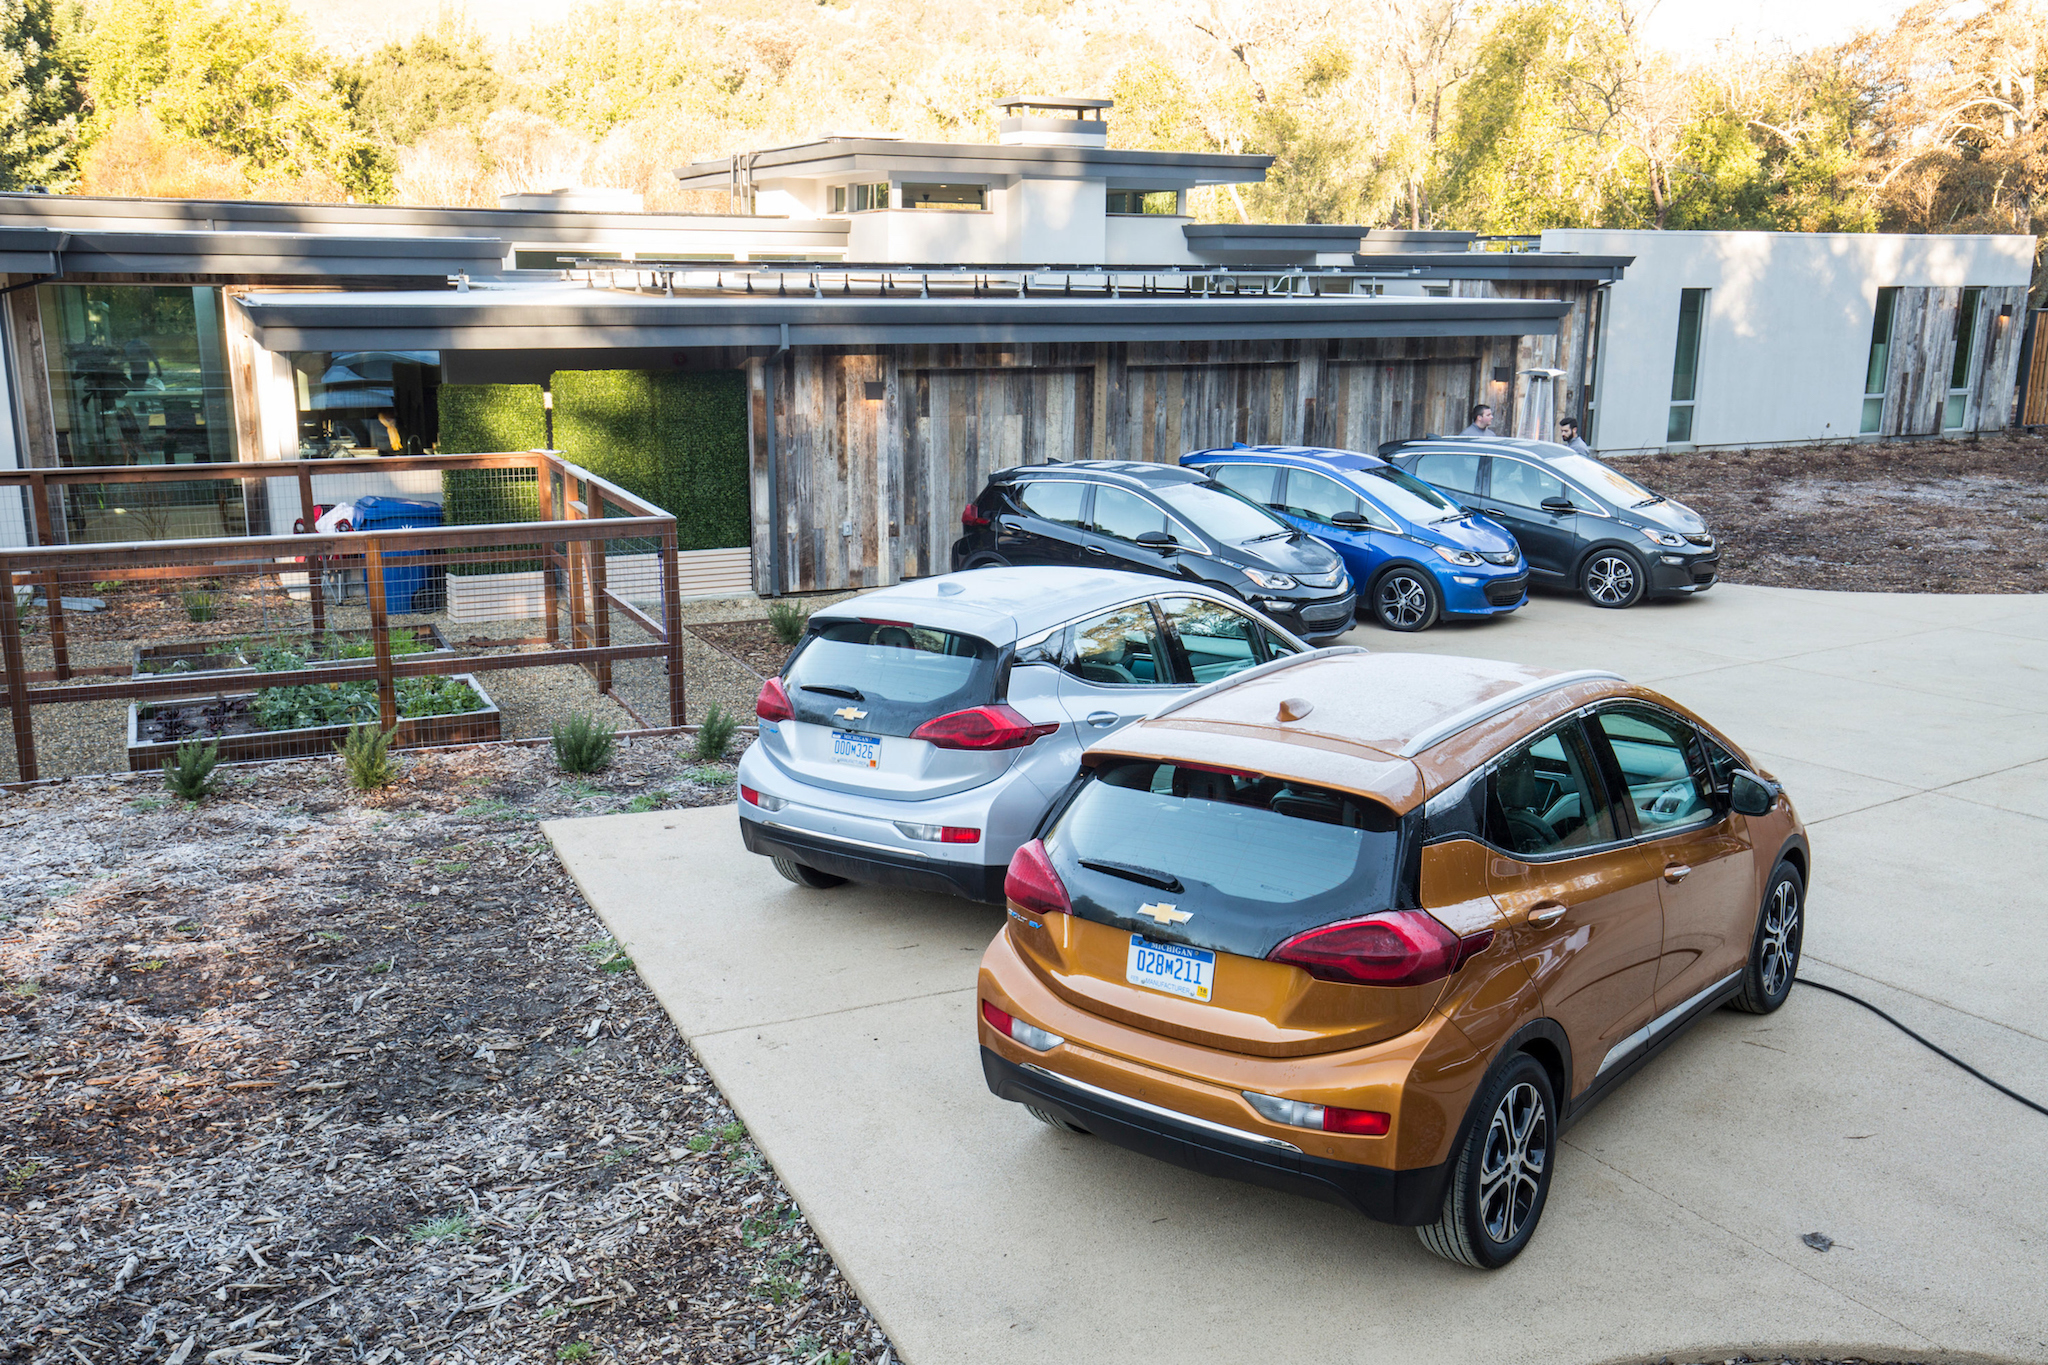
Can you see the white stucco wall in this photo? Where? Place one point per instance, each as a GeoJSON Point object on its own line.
{"type": "Point", "coordinates": [1147, 239]}
{"type": "Point", "coordinates": [1056, 220]}
{"type": "Point", "coordinates": [1786, 334]}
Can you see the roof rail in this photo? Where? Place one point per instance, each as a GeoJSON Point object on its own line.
{"type": "Point", "coordinates": [1459, 722]}
{"type": "Point", "coordinates": [1266, 669]}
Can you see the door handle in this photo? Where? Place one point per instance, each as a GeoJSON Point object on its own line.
{"type": "Point", "coordinates": [1543, 914]}
{"type": "Point", "coordinates": [1676, 872]}
{"type": "Point", "coordinates": [1102, 720]}
{"type": "Point", "coordinates": [1095, 549]}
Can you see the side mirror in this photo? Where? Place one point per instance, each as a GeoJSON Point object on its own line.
{"type": "Point", "coordinates": [1349, 520]}
{"type": "Point", "coordinates": [1558, 507]}
{"type": "Point", "coordinates": [1749, 794]}
{"type": "Point", "coordinates": [1157, 540]}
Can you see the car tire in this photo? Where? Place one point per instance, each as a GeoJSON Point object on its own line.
{"type": "Point", "coordinates": [1052, 1120]}
{"type": "Point", "coordinates": [987, 559]}
{"type": "Point", "coordinates": [1774, 953]}
{"type": "Point", "coordinates": [1614, 578]}
{"type": "Point", "coordinates": [807, 876]}
{"type": "Point", "coordinates": [1406, 599]}
{"type": "Point", "coordinates": [1502, 1173]}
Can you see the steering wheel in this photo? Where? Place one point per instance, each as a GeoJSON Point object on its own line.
{"type": "Point", "coordinates": [1673, 800]}
{"type": "Point", "coordinates": [1530, 831]}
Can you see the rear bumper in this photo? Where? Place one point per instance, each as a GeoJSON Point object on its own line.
{"type": "Point", "coordinates": [1407, 1198]}
{"type": "Point", "coordinates": [879, 866]}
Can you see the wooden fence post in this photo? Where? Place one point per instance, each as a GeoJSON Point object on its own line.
{"type": "Point", "coordinates": [600, 609]}
{"type": "Point", "coordinates": [672, 625]}
{"type": "Point", "coordinates": [17, 677]}
{"type": "Point", "coordinates": [550, 590]}
{"type": "Point", "coordinates": [313, 567]}
{"type": "Point", "coordinates": [380, 636]}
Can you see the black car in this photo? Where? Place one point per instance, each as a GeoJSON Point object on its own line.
{"type": "Point", "coordinates": [1161, 520]}
{"type": "Point", "coordinates": [1581, 525]}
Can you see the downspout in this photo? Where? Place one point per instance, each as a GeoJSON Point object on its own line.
{"type": "Point", "coordinates": [768, 372]}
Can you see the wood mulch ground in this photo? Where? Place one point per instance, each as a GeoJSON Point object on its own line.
{"type": "Point", "coordinates": [1903, 516]}
{"type": "Point", "coordinates": [300, 1075]}
{"type": "Point", "coordinates": [753, 643]}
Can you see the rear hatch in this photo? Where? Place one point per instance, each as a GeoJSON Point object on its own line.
{"type": "Point", "coordinates": [1161, 861]}
{"type": "Point", "coordinates": [860, 688]}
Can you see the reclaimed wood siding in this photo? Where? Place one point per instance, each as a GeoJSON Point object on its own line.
{"type": "Point", "coordinates": [1923, 343]}
{"type": "Point", "coordinates": [1993, 390]}
{"type": "Point", "coordinates": [870, 490]}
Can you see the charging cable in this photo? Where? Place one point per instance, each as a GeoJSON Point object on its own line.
{"type": "Point", "coordinates": [2009, 1093]}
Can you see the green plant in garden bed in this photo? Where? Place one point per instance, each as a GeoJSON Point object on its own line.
{"type": "Point", "coordinates": [715, 732]}
{"type": "Point", "coordinates": [199, 606]}
{"type": "Point", "coordinates": [351, 703]}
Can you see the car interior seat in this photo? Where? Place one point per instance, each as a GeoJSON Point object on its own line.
{"type": "Point", "coordinates": [1520, 794]}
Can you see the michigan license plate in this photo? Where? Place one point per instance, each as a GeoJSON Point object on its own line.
{"type": "Point", "coordinates": [1171, 967]}
{"type": "Point", "coordinates": [862, 751]}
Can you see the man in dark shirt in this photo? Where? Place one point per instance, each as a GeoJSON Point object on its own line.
{"type": "Point", "coordinates": [1482, 421]}
{"type": "Point", "coordinates": [1568, 435]}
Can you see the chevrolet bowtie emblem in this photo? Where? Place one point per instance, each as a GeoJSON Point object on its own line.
{"type": "Point", "coordinates": [1166, 914]}
{"type": "Point", "coordinates": [850, 713]}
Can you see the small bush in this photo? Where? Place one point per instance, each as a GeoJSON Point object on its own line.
{"type": "Point", "coordinates": [366, 754]}
{"type": "Point", "coordinates": [714, 734]}
{"type": "Point", "coordinates": [787, 620]}
{"type": "Point", "coordinates": [584, 744]}
{"type": "Point", "coordinates": [199, 606]}
{"type": "Point", "coordinates": [190, 775]}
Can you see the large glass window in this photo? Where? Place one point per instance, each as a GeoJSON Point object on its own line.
{"type": "Point", "coordinates": [137, 374]}
{"type": "Point", "coordinates": [957, 198]}
{"type": "Point", "coordinates": [1144, 201]}
{"type": "Point", "coordinates": [1879, 366]}
{"type": "Point", "coordinates": [860, 198]}
{"type": "Point", "coordinates": [1685, 365]}
{"type": "Point", "coordinates": [366, 402]}
{"type": "Point", "coordinates": [1965, 362]}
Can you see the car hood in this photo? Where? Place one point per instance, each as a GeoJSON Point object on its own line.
{"type": "Point", "coordinates": [1670, 515]}
{"type": "Point", "coordinates": [1299, 554]}
{"type": "Point", "coordinates": [1469, 532]}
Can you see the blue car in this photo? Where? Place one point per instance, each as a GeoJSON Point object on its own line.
{"type": "Point", "coordinates": [1417, 556]}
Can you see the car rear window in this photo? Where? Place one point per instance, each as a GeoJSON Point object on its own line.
{"type": "Point", "coordinates": [900, 675]}
{"type": "Point", "coordinates": [1257, 858]}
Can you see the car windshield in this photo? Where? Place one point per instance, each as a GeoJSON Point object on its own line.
{"type": "Point", "coordinates": [1602, 480]}
{"type": "Point", "coordinates": [1216, 511]}
{"type": "Point", "coordinates": [899, 674]}
{"type": "Point", "coordinates": [1404, 495]}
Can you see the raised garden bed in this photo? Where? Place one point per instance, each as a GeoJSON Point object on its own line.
{"type": "Point", "coordinates": [211, 656]}
{"type": "Point", "coordinates": [243, 656]}
{"type": "Point", "coordinates": [237, 721]}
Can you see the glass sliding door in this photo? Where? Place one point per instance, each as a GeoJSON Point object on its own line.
{"type": "Point", "coordinates": [1963, 367]}
{"type": "Point", "coordinates": [1879, 366]}
{"type": "Point", "coordinates": [1685, 366]}
{"type": "Point", "coordinates": [138, 375]}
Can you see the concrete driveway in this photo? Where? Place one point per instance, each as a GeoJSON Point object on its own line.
{"type": "Point", "coordinates": [1913, 734]}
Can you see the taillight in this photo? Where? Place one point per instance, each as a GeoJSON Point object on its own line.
{"type": "Point", "coordinates": [761, 799]}
{"type": "Point", "coordinates": [1037, 1039]}
{"type": "Point", "coordinates": [939, 834]}
{"type": "Point", "coordinates": [749, 795]}
{"type": "Point", "coordinates": [773, 703]}
{"type": "Point", "coordinates": [1327, 1117]}
{"type": "Point", "coordinates": [981, 727]}
{"type": "Point", "coordinates": [1032, 883]}
{"type": "Point", "coordinates": [973, 518]}
{"type": "Point", "coordinates": [1392, 948]}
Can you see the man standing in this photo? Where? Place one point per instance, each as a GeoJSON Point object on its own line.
{"type": "Point", "coordinates": [1482, 421]}
{"type": "Point", "coordinates": [1568, 435]}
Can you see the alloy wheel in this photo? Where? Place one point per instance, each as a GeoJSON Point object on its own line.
{"type": "Point", "coordinates": [1610, 580]}
{"type": "Point", "coordinates": [1511, 1167]}
{"type": "Point", "coordinates": [1403, 601]}
{"type": "Point", "coordinates": [1779, 952]}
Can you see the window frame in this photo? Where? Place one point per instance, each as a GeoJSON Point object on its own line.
{"type": "Point", "coordinates": [1969, 311]}
{"type": "Point", "coordinates": [1185, 538]}
{"type": "Point", "coordinates": [1087, 510]}
{"type": "Point", "coordinates": [1696, 761]}
{"type": "Point", "coordinates": [1689, 402]}
{"type": "Point", "coordinates": [841, 197]}
{"type": "Point", "coordinates": [1884, 316]}
{"type": "Point", "coordinates": [1166, 647]}
{"type": "Point", "coordinates": [1596, 770]}
{"type": "Point", "coordinates": [1261, 638]}
{"type": "Point", "coordinates": [900, 194]}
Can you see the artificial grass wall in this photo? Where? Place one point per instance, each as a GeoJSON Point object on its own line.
{"type": "Point", "coordinates": [676, 438]}
{"type": "Point", "coordinates": [487, 418]}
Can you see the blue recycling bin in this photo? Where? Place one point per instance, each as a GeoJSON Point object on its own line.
{"type": "Point", "coordinates": [407, 584]}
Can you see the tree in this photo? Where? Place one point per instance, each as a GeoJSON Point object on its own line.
{"type": "Point", "coordinates": [40, 102]}
{"type": "Point", "coordinates": [442, 77]}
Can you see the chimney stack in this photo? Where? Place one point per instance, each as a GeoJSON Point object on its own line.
{"type": "Point", "coordinates": [1053, 122]}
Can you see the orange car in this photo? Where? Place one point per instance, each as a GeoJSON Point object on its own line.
{"type": "Point", "coordinates": [1375, 927]}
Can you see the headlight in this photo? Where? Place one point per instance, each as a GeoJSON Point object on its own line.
{"type": "Point", "coordinates": [1264, 579]}
{"type": "Point", "coordinates": [1464, 557]}
{"type": "Point", "coordinates": [1663, 537]}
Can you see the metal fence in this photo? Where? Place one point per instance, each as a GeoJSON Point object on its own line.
{"type": "Point", "coordinates": [555, 592]}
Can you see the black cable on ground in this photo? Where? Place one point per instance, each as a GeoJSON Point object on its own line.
{"type": "Point", "coordinates": [2010, 1094]}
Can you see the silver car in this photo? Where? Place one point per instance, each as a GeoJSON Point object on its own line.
{"type": "Point", "coordinates": [918, 733]}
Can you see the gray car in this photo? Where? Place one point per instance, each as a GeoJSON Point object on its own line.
{"type": "Point", "coordinates": [1583, 526]}
{"type": "Point", "coordinates": [917, 734]}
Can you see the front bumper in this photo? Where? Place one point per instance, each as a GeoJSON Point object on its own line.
{"type": "Point", "coordinates": [1676, 573]}
{"type": "Point", "coordinates": [871, 864]}
{"type": "Point", "coordinates": [1317, 620]}
{"type": "Point", "coordinates": [1407, 1198]}
{"type": "Point", "coordinates": [1470, 593]}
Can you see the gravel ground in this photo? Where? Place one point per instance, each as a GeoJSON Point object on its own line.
{"type": "Point", "coordinates": [1902, 516]}
{"type": "Point", "coordinates": [301, 1075]}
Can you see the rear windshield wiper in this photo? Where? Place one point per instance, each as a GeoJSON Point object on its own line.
{"type": "Point", "coordinates": [1165, 881]}
{"type": "Point", "coordinates": [850, 693]}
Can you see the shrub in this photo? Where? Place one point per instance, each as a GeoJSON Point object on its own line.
{"type": "Point", "coordinates": [366, 754]}
{"type": "Point", "coordinates": [190, 775]}
{"type": "Point", "coordinates": [787, 620]}
{"type": "Point", "coordinates": [199, 606]}
{"type": "Point", "coordinates": [714, 735]}
{"type": "Point", "coordinates": [584, 744]}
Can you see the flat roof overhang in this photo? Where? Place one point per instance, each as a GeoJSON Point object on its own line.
{"type": "Point", "coordinates": [1497, 265]}
{"type": "Point", "coordinates": [47, 251]}
{"type": "Point", "coordinates": [852, 156]}
{"type": "Point", "coordinates": [1220, 238]}
{"type": "Point", "coordinates": [490, 320]}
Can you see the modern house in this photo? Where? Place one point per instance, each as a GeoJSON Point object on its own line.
{"type": "Point", "coordinates": [835, 366]}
